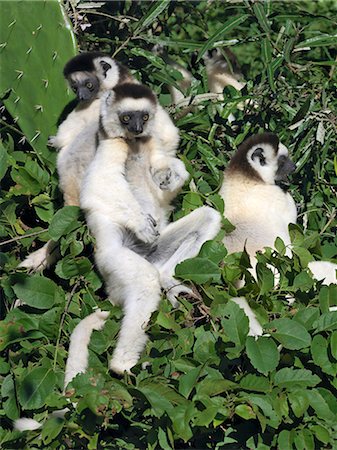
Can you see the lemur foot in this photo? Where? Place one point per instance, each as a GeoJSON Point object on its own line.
{"type": "Point", "coordinates": [174, 289]}
{"type": "Point", "coordinates": [41, 258]}
{"type": "Point", "coordinates": [148, 233]}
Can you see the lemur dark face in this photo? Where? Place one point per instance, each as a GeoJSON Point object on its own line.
{"type": "Point", "coordinates": [285, 166]}
{"type": "Point", "coordinates": [134, 121]}
{"type": "Point", "coordinates": [263, 158]}
{"type": "Point", "coordinates": [85, 85]}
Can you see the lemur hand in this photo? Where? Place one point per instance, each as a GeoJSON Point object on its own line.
{"type": "Point", "coordinates": [147, 232]}
{"type": "Point", "coordinates": [171, 177]}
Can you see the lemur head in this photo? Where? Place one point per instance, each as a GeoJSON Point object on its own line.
{"type": "Point", "coordinates": [128, 111]}
{"type": "Point", "coordinates": [91, 73]}
{"type": "Point", "coordinates": [263, 159]}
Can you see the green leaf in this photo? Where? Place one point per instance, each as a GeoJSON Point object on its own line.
{"type": "Point", "coordinates": [219, 35]}
{"type": "Point", "coordinates": [252, 382]}
{"type": "Point", "coordinates": [63, 221]}
{"type": "Point", "coordinates": [319, 41]}
{"type": "Point", "coordinates": [299, 402]}
{"type": "Point", "coordinates": [290, 378]}
{"type": "Point", "coordinates": [333, 344]}
{"type": "Point", "coordinates": [3, 161]}
{"type": "Point", "coordinates": [285, 440]}
{"type": "Point", "coordinates": [51, 429]}
{"type": "Point", "coordinates": [245, 411]}
{"type": "Point", "coordinates": [263, 353]}
{"type": "Point", "coordinates": [235, 323]}
{"type": "Point", "coordinates": [290, 333]}
{"type": "Point", "coordinates": [70, 267]}
{"type": "Point", "coordinates": [319, 352]}
{"type": "Point", "coordinates": [188, 381]}
{"type": "Point", "coordinates": [215, 251]}
{"type": "Point", "coordinates": [157, 8]}
{"type": "Point", "coordinates": [199, 270]}
{"type": "Point", "coordinates": [260, 14]}
{"type": "Point", "coordinates": [303, 281]}
{"type": "Point", "coordinates": [321, 433]}
{"type": "Point", "coordinates": [181, 418]}
{"type": "Point", "coordinates": [265, 278]}
{"type": "Point", "coordinates": [36, 172]}
{"type": "Point", "coordinates": [321, 407]}
{"type": "Point", "coordinates": [214, 386]}
{"type": "Point", "coordinates": [35, 387]}
{"type": "Point", "coordinates": [327, 321]}
{"type": "Point", "coordinates": [38, 291]}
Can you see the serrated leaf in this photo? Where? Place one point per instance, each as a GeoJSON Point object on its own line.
{"type": "Point", "coordinates": [199, 270]}
{"type": "Point", "coordinates": [35, 387]}
{"type": "Point", "coordinates": [51, 429]}
{"type": "Point", "coordinates": [327, 321]}
{"type": "Point", "coordinates": [188, 381]}
{"type": "Point", "coordinates": [299, 402]}
{"type": "Point", "coordinates": [252, 382]}
{"type": "Point", "coordinates": [235, 323]}
{"type": "Point", "coordinates": [70, 267]}
{"type": "Point", "coordinates": [38, 291]}
{"type": "Point", "coordinates": [319, 352]}
{"type": "Point", "coordinates": [333, 344]}
{"type": "Point", "coordinates": [245, 411]}
{"type": "Point", "coordinates": [215, 251]}
{"type": "Point", "coordinates": [290, 378]}
{"type": "Point", "coordinates": [219, 35]}
{"type": "Point", "coordinates": [263, 353]}
{"type": "Point", "coordinates": [63, 221]}
{"type": "Point", "coordinates": [289, 333]}
{"type": "Point", "coordinates": [181, 418]}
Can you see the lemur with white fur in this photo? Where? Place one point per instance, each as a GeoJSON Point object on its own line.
{"type": "Point", "coordinates": [126, 195]}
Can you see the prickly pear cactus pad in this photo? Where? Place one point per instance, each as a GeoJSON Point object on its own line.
{"type": "Point", "coordinates": [36, 40]}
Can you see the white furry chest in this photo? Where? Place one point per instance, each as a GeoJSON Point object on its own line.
{"type": "Point", "coordinates": [262, 202]}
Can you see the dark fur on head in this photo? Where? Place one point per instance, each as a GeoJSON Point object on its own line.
{"type": "Point", "coordinates": [239, 162]}
{"type": "Point", "coordinates": [130, 90]}
{"type": "Point", "coordinates": [84, 62]}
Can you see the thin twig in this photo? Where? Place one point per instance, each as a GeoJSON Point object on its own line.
{"type": "Point", "coordinates": [63, 318]}
{"type": "Point", "coordinates": [18, 238]}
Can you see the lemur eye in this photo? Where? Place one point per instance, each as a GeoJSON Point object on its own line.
{"type": "Point", "coordinates": [125, 118]}
{"type": "Point", "coordinates": [145, 117]}
{"type": "Point", "coordinates": [89, 85]}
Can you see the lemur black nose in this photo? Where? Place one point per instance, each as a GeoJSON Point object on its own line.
{"type": "Point", "coordinates": [136, 130]}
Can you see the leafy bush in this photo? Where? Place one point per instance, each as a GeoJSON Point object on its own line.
{"type": "Point", "coordinates": [201, 383]}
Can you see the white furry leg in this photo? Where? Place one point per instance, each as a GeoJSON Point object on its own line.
{"type": "Point", "coordinates": [181, 240]}
{"type": "Point", "coordinates": [255, 328]}
{"type": "Point", "coordinates": [78, 354]}
{"type": "Point", "coordinates": [141, 300]}
{"type": "Point", "coordinates": [41, 258]}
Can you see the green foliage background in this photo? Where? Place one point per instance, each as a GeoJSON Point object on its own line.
{"type": "Point", "coordinates": [207, 384]}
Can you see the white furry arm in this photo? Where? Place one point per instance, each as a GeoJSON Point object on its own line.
{"type": "Point", "coordinates": [74, 123]}
{"type": "Point", "coordinates": [167, 133]}
{"type": "Point", "coordinates": [106, 192]}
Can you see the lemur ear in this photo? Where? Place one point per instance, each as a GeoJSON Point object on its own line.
{"type": "Point", "coordinates": [105, 66]}
{"type": "Point", "coordinates": [259, 153]}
